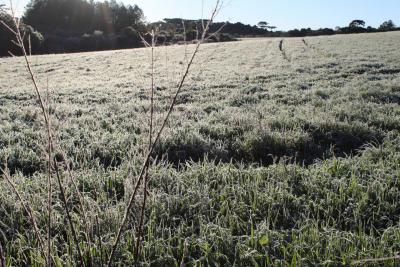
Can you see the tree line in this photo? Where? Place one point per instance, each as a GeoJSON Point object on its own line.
{"type": "Point", "coordinates": [61, 26]}
{"type": "Point", "coordinates": [355, 26]}
{"type": "Point", "coordinates": [77, 17]}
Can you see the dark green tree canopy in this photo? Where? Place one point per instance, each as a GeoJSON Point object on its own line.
{"type": "Point", "coordinates": [358, 23]}
{"type": "Point", "coordinates": [263, 25]}
{"type": "Point", "coordinates": [32, 38]}
{"type": "Point", "coordinates": [387, 26]}
{"type": "Point", "coordinates": [76, 17]}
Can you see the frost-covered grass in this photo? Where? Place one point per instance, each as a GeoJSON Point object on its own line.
{"type": "Point", "coordinates": [269, 158]}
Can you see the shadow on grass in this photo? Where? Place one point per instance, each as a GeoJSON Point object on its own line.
{"type": "Point", "coordinates": [318, 141]}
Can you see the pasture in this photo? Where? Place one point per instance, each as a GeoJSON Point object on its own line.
{"type": "Point", "coordinates": [277, 153]}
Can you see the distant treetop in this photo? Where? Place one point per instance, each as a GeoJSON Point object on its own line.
{"type": "Point", "coordinates": [387, 26]}
{"type": "Point", "coordinates": [357, 23]}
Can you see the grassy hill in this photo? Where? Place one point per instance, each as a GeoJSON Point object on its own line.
{"type": "Point", "coordinates": [278, 152]}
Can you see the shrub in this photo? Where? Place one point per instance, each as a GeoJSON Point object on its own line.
{"type": "Point", "coordinates": [27, 31]}
{"type": "Point", "coordinates": [130, 39]}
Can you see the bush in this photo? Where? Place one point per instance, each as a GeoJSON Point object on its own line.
{"type": "Point", "coordinates": [56, 44]}
{"type": "Point", "coordinates": [95, 42]}
{"type": "Point", "coordinates": [72, 44]}
{"type": "Point", "coordinates": [27, 31]}
{"type": "Point", "coordinates": [224, 37]}
{"type": "Point", "coordinates": [130, 38]}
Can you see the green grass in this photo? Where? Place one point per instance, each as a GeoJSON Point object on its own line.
{"type": "Point", "coordinates": [265, 161]}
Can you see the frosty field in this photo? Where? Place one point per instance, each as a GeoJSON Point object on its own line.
{"type": "Point", "coordinates": [272, 156]}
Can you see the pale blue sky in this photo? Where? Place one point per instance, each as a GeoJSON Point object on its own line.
{"type": "Point", "coordinates": [285, 14]}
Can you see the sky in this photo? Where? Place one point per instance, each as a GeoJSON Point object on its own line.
{"type": "Point", "coordinates": [285, 14]}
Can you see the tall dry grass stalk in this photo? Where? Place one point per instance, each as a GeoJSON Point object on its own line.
{"type": "Point", "coordinates": [20, 43]}
{"type": "Point", "coordinates": [52, 163]}
{"type": "Point", "coordinates": [28, 209]}
{"type": "Point", "coordinates": [146, 176]}
{"type": "Point", "coordinates": [2, 257]}
{"type": "Point", "coordinates": [55, 171]}
{"type": "Point", "coordinates": [64, 200]}
{"type": "Point", "coordinates": [145, 165]}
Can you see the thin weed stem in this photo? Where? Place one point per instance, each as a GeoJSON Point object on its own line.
{"type": "Point", "coordinates": [158, 135]}
{"type": "Point", "coordinates": [50, 144]}
{"type": "Point", "coordinates": [2, 257]}
{"type": "Point", "coordinates": [28, 209]}
{"type": "Point", "coordinates": [47, 123]}
{"type": "Point", "coordinates": [146, 177]}
{"type": "Point", "coordinates": [64, 200]}
{"type": "Point", "coordinates": [99, 240]}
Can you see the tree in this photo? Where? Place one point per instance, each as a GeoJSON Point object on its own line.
{"type": "Point", "coordinates": [357, 24]}
{"type": "Point", "coordinates": [32, 39]}
{"type": "Point", "coordinates": [77, 17]}
{"type": "Point", "coordinates": [263, 25]}
{"type": "Point", "coordinates": [387, 26]}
